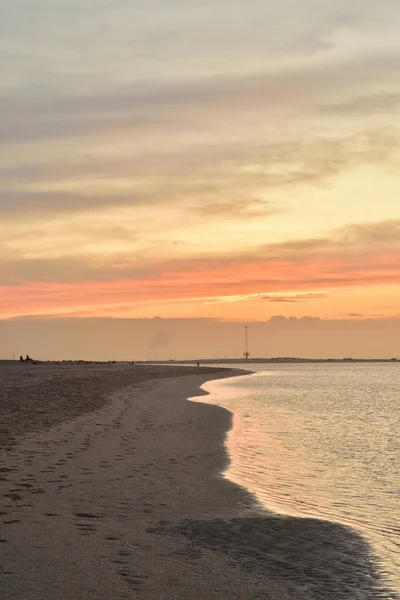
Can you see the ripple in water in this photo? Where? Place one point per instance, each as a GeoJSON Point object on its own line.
{"type": "Point", "coordinates": [322, 441]}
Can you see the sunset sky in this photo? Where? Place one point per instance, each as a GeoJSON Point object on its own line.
{"type": "Point", "coordinates": [221, 160]}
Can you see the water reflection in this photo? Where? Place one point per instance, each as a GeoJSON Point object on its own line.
{"type": "Point", "coordinates": [321, 441]}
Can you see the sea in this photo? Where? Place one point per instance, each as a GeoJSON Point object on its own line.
{"type": "Point", "coordinates": [322, 441]}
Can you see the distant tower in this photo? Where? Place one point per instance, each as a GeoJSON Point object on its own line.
{"type": "Point", "coordinates": [246, 352]}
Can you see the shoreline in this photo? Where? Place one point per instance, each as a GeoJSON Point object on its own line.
{"type": "Point", "coordinates": [128, 501]}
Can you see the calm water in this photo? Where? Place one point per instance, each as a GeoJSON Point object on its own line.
{"type": "Point", "coordinates": [321, 441]}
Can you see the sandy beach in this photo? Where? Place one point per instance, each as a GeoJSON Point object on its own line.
{"type": "Point", "coordinates": [110, 487]}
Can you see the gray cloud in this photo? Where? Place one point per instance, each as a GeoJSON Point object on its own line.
{"type": "Point", "coordinates": [386, 232]}
{"type": "Point", "coordinates": [367, 105]}
{"type": "Point", "coordinates": [152, 106]}
{"type": "Point", "coordinates": [39, 115]}
{"type": "Point", "coordinates": [195, 177]}
{"type": "Point", "coordinates": [239, 207]}
{"type": "Point", "coordinates": [70, 43]}
{"type": "Point", "coordinates": [352, 237]}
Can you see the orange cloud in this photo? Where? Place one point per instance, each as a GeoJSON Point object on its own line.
{"type": "Point", "coordinates": [315, 266]}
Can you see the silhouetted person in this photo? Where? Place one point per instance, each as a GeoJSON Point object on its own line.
{"type": "Point", "coordinates": [198, 364]}
{"type": "Point", "coordinates": [28, 358]}
{"type": "Point", "coordinates": [21, 359]}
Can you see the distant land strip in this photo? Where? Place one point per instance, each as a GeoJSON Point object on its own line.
{"type": "Point", "coordinates": [207, 361]}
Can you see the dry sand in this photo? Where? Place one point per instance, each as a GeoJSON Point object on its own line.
{"type": "Point", "coordinates": [35, 397]}
{"type": "Point", "coordinates": [114, 492]}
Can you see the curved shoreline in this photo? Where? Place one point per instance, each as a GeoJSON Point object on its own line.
{"type": "Point", "coordinates": [134, 494]}
{"type": "Point", "coordinates": [384, 585]}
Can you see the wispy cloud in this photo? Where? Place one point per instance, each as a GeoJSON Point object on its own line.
{"type": "Point", "coordinates": [151, 154]}
{"type": "Point", "coordinates": [370, 256]}
{"type": "Point", "coordinates": [291, 297]}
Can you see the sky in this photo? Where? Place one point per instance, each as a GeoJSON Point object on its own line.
{"type": "Point", "coordinates": [222, 162]}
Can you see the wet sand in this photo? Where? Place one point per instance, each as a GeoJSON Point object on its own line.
{"type": "Point", "coordinates": [115, 492]}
